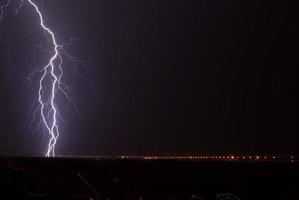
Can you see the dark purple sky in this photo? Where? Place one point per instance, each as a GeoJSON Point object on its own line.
{"type": "Point", "coordinates": [169, 76]}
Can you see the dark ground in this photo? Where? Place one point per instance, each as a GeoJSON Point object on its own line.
{"type": "Point", "coordinates": [62, 178]}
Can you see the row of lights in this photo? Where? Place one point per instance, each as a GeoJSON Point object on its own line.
{"type": "Point", "coordinates": [202, 157]}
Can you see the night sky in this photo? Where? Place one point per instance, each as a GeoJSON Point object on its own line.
{"type": "Point", "coordinates": [165, 77]}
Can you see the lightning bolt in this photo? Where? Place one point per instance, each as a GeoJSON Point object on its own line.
{"type": "Point", "coordinates": [2, 8]}
{"type": "Point", "coordinates": [48, 108]}
{"type": "Point", "coordinates": [50, 81]}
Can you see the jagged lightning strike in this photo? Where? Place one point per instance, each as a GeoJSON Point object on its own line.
{"type": "Point", "coordinates": [49, 116]}
{"type": "Point", "coordinates": [50, 81]}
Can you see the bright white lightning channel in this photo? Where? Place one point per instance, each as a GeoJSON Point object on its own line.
{"type": "Point", "coordinates": [49, 116]}
{"type": "Point", "coordinates": [50, 81]}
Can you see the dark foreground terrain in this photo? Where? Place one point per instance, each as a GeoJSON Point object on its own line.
{"type": "Point", "coordinates": [65, 178]}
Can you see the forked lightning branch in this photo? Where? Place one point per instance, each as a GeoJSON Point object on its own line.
{"type": "Point", "coordinates": [50, 81]}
